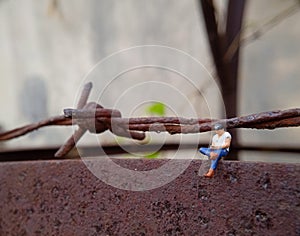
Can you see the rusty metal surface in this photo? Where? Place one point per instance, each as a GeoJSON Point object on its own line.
{"type": "Point", "coordinates": [64, 198]}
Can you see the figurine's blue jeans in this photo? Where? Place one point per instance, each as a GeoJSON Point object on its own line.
{"type": "Point", "coordinates": [221, 153]}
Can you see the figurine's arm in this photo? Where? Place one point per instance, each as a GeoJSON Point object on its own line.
{"type": "Point", "coordinates": [213, 146]}
{"type": "Point", "coordinates": [227, 143]}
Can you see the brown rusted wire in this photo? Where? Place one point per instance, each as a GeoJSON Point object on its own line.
{"type": "Point", "coordinates": [93, 117]}
{"type": "Point", "coordinates": [57, 120]}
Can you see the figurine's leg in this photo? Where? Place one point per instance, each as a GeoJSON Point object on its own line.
{"type": "Point", "coordinates": [214, 163]}
{"type": "Point", "coordinates": [205, 151]}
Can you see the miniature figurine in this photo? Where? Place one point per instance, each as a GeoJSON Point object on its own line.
{"type": "Point", "coordinates": [219, 148]}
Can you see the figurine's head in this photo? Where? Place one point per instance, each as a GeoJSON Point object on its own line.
{"type": "Point", "coordinates": [219, 128]}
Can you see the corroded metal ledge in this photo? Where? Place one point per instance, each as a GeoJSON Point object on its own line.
{"type": "Point", "coordinates": [65, 198]}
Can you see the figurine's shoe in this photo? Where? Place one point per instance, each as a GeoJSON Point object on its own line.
{"type": "Point", "coordinates": [210, 173]}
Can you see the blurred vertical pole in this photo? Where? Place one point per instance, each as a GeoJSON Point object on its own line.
{"type": "Point", "coordinates": [226, 44]}
{"type": "Point", "coordinates": [230, 84]}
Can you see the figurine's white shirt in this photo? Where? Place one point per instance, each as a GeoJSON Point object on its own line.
{"type": "Point", "coordinates": [220, 141]}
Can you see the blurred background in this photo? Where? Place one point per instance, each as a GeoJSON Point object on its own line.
{"type": "Point", "coordinates": [48, 48]}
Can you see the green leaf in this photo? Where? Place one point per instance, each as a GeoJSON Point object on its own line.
{"type": "Point", "coordinates": [156, 108]}
{"type": "Point", "coordinates": [152, 155]}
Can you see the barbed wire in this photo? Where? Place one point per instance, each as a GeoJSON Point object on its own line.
{"type": "Point", "coordinates": [94, 118]}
